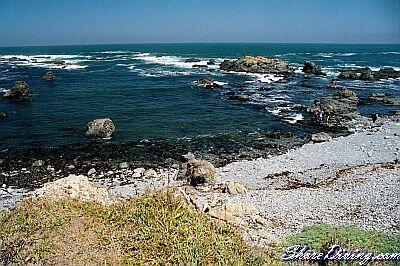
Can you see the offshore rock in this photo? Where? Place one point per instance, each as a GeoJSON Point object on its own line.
{"type": "Point", "coordinates": [101, 128]}
{"type": "Point", "coordinates": [19, 91]}
{"type": "Point", "coordinates": [48, 76]}
{"type": "Point", "coordinates": [257, 64]}
{"type": "Point", "coordinates": [312, 68]}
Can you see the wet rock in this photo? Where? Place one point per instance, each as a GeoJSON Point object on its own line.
{"type": "Point", "coordinates": [38, 163]}
{"type": "Point", "coordinates": [208, 82]}
{"type": "Point", "coordinates": [342, 105]}
{"type": "Point", "coordinates": [235, 188]}
{"type": "Point", "coordinates": [192, 60]}
{"type": "Point", "coordinates": [320, 137]}
{"type": "Point", "coordinates": [3, 115]}
{"type": "Point", "coordinates": [240, 97]}
{"type": "Point", "coordinates": [264, 89]}
{"type": "Point", "coordinates": [350, 74]}
{"type": "Point", "coordinates": [312, 68]}
{"type": "Point", "coordinates": [366, 74]}
{"type": "Point", "coordinates": [380, 98]}
{"type": "Point", "coordinates": [257, 64]}
{"type": "Point", "coordinates": [200, 66]}
{"type": "Point", "coordinates": [48, 76]}
{"type": "Point", "coordinates": [211, 62]}
{"type": "Point", "coordinates": [387, 72]}
{"type": "Point", "coordinates": [197, 171]}
{"type": "Point", "coordinates": [19, 91]}
{"type": "Point", "coordinates": [102, 128]}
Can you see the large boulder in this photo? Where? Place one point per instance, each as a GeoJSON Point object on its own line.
{"type": "Point", "coordinates": [385, 73]}
{"type": "Point", "coordinates": [257, 64]}
{"type": "Point", "coordinates": [48, 76]}
{"type": "Point", "coordinates": [348, 74]}
{"type": "Point", "coordinates": [197, 171]}
{"type": "Point", "coordinates": [101, 128]}
{"type": "Point", "coordinates": [342, 105]}
{"type": "Point", "coordinates": [312, 68]}
{"type": "Point", "coordinates": [19, 91]}
{"type": "Point", "coordinates": [366, 74]}
{"type": "Point", "coordinates": [208, 82]}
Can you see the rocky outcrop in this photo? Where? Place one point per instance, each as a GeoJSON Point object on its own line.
{"type": "Point", "coordinates": [320, 137]}
{"type": "Point", "coordinates": [48, 76]}
{"type": "Point", "coordinates": [76, 187]}
{"type": "Point", "coordinates": [342, 105]}
{"type": "Point", "coordinates": [385, 73]}
{"type": "Point", "coordinates": [349, 74]}
{"type": "Point", "coordinates": [197, 171]}
{"type": "Point", "coordinates": [208, 82]}
{"type": "Point", "coordinates": [312, 68]}
{"type": "Point", "coordinates": [211, 62]}
{"type": "Point", "coordinates": [235, 188]}
{"type": "Point", "coordinates": [192, 60]}
{"type": "Point", "coordinates": [19, 91]}
{"type": "Point", "coordinates": [381, 98]}
{"type": "Point", "coordinates": [257, 64]}
{"type": "Point", "coordinates": [367, 74]}
{"type": "Point", "coordinates": [101, 128]}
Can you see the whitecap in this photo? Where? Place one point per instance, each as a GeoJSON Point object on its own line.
{"type": "Point", "coordinates": [294, 118]}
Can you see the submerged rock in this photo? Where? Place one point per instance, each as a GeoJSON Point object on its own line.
{"type": "Point", "coordinates": [240, 97]}
{"type": "Point", "coordinates": [48, 76]}
{"type": "Point", "coordinates": [192, 60]}
{"type": "Point", "coordinates": [197, 171]}
{"type": "Point", "coordinates": [19, 91]}
{"type": "Point", "coordinates": [257, 64]}
{"type": "Point", "coordinates": [102, 128]}
{"type": "Point", "coordinates": [312, 68]}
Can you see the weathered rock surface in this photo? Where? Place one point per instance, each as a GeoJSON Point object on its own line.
{"type": "Point", "coordinates": [208, 83]}
{"type": "Point", "coordinates": [48, 76]}
{"type": "Point", "coordinates": [342, 104]}
{"type": "Point", "coordinates": [197, 171]}
{"type": "Point", "coordinates": [76, 187]}
{"type": "Point", "coordinates": [312, 68]}
{"type": "Point", "coordinates": [320, 137]}
{"type": "Point", "coordinates": [19, 91]}
{"type": "Point", "coordinates": [367, 74]}
{"type": "Point", "coordinates": [257, 64]}
{"type": "Point", "coordinates": [235, 188]}
{"type": "Point", "coordinates": [381, 98]}
{"type": "Point", "coordinates": [102, 128]}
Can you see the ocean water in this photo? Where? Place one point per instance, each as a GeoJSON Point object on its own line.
{"type": "Point", "coordinates": [150, 92]}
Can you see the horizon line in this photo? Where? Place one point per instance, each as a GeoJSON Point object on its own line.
{"type": "Point", "coordinates": [132, 43]}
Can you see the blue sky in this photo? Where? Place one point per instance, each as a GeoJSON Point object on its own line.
{"type": "Point", "coordinates": [48, 22]}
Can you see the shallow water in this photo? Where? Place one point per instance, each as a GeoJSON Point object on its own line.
{"type": "Point", "coordinates": [152, 98]}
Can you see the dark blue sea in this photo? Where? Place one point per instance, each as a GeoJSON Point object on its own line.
{"type": "Point", "coordinates": [150, 92]}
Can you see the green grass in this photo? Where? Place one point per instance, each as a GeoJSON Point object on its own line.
{"type": "Point", "coordinates": [321, 236]}
{"type": "Point", "coordinates": [155, 229]}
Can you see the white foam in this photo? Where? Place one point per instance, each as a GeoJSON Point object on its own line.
{"type": "Point", "coordinates": [295, 118]}
{"type": "Point", "coordinates": [44, 61]}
